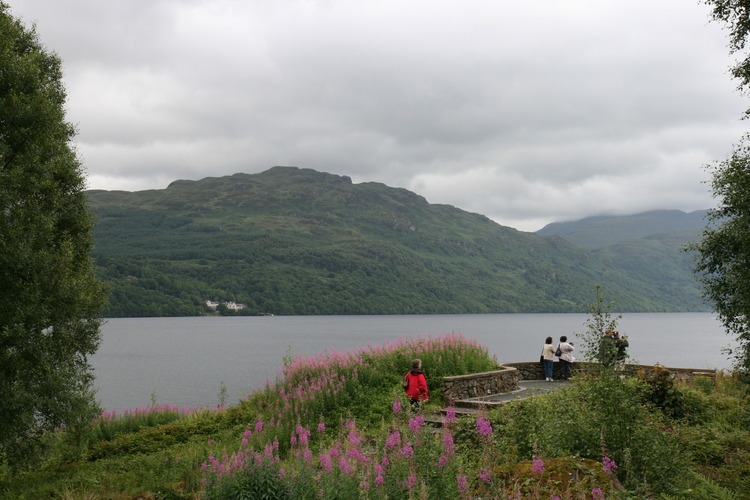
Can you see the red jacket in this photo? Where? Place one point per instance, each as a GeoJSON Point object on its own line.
{"type": "Point", "coordinates": [417, 389]}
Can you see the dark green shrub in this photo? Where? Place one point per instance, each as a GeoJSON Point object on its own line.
{"type": "Point", "coordinates": [259, 481]}
{"type": "Point", "coordinates": [661, 390]}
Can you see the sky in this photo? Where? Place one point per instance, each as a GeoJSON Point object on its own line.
{"type": "Point", "coordinates": [526, 112]}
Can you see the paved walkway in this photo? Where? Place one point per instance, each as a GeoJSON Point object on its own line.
{"type": "Point", "coordinates": [527, 389]}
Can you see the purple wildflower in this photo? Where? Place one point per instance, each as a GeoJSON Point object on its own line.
{"type": "Point", "coordinates": [463, 484]}
{"type": "Point", "coordinates": [485, 475]}
{"type": "Point", "coordinates": [484, 427]}
{"type": "Point", "coordinates": [597, 493]}
{"type": "Point", "coordinates": [411, 481]}
{"type": "Point", "coordinates": [450, 415]}
{"type": "Point", "coordinates": [325, 462]}
{"type": "Point", "coordinates": [396, 407]}
{"type": "Point", "coordinates": [448, 444]}
{"type": "Point", "coordinates": [393, 440]}
{"type": "Point", "coordinates": [416, 423]}
{"type": "Point", "coordinates": [609, 464]}
{"type": "Point", "coordinates": [345, 466]}
{"type": "Point", "coordinates": [537, 465]}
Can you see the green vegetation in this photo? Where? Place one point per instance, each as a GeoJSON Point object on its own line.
{"type": "Point", "coordinates": [724, 251]}
{"type": "Point", "coordinates": [51, 299]}
{"type": "Point", "coordinates": [297, 241]}
{"type": "Point", "coordinates": [339, 423]}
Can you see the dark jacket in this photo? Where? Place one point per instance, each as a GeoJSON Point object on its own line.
{"type": "Point", "coordinates": [417, 388]}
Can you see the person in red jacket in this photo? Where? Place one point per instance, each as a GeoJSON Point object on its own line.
{"type": "Point", "coordinates": [415, 383]}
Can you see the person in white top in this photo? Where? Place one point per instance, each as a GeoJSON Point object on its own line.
{"type": "Point", "coordinates": [547, 352]}
{"type": "Point", "coordinates": [566, 357]}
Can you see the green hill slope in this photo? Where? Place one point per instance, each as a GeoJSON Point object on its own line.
{"type": "Point", "coordinates": [649, 245]}
{"type": "Point", "coordinates": [297, 241]}
{"type": "Point", "coordinates": [604, 231]}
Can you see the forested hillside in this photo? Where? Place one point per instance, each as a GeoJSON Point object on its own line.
{"type": "Point", "coordinates": [605, 231]}
{"type": "Point", "coordinates": [298, 241]}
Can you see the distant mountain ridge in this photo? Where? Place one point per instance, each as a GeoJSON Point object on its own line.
{"type": "Point", "coordinates": [298, 241]}
{"type": "Point", "coordinates": [603, 231]}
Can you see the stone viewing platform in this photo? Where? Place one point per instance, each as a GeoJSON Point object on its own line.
{"type": "Point", "coordinates": [533, 370]}
{"type": "Point", "coordinates": [476, 392]}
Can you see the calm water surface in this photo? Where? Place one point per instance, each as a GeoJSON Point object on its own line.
{"type": "Point", "coordinates": [185, 361]}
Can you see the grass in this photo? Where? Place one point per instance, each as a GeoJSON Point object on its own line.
{"type": "Point", "coordinates": [338, 425]}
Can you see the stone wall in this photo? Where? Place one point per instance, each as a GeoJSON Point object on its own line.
{"type": "Point", "coordinates": [533, 370]}
{"type": "Point", "coordinates": [481, 384]}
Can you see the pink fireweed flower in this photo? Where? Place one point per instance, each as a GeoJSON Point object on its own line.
{"type": "Point", "coordinates": [248, 434]}
{"type": "Point", "coordinates": [609, 464]}
{"type": "Point", "coordinates": [537, 465]}
{"type": "Point", "coordinates": [463, 484]}
{"type": "Point", "coordinates": [321, 427]}
{"type": "Point", "coordinates": [597, 493]}
{"type": "Point", "coordinates": [396, 407]}
{"type": "Point", "coordinates": [356, 454]}
{"type": "Point", "coordinates": [379, 480]}
{"type": "Point", "coordinates": [448, 444]}
{"type": "Point", "coordinates": [485, 475]}
{"type": "Point", "coordinates": [416, 423]}
{"type": "Point", "coordinates": [450, 415]}
{"type": "Point", "coordinates": [411, 481]}
{"type": "Point", "coordinates": [258, 426]}
{"type": "Point", "coordinates": [407, 452]}
{"type": "Point", "coordinates": [443, 460]}
{"type": "Point", "coordinates": [354, 438]}
{"type": "Point", "coordinates": [325, 462]}
{"type": "Point", "coordinates": [345, 466]}
{"type": "Point", "coordinates": [244, 441]}
{"type": "Point", "coordinates": [484, 427]}
{"type": "Point", "coordinates": [393, 440]}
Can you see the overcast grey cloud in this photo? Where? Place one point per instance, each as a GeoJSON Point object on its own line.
{"type": "Point", "coordinates": [527, 112]}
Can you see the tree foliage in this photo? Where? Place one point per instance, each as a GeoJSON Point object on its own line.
{"type": "Point", "coordinates": [599, 321]}
{"type": "Point", "coordinates": [51, 300]}
{"type": "Point", "coordinates": [723, 263]}
{"type": "Point", "coordinates": [735, 14]}
{"type": "Point", "coordinates": [724, 251]}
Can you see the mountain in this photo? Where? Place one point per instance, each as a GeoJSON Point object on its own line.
{"type": "Point", "coordinates": [603, 231]}
{"type": "Point", "coordinates": [298, 241]}
{"type": "Point", "coordinates": [652, 241]}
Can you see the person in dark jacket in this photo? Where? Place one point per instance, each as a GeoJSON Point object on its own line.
{"type": "Point", "coordinates": [622, 345]}
{"type": "Point", "coordinates": [415, 383]}
{"type": "Point", "coordinates": [607, 348]}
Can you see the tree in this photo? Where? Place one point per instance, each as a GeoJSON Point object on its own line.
{"type": "Point", "coordinates": [50, 300]}
{"type": "Point", "coordinates": [723, 254]}
{"type": "Point", "coordinates": [598, 322]}
{"type": "Point", "coordinates": [736, 15]}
